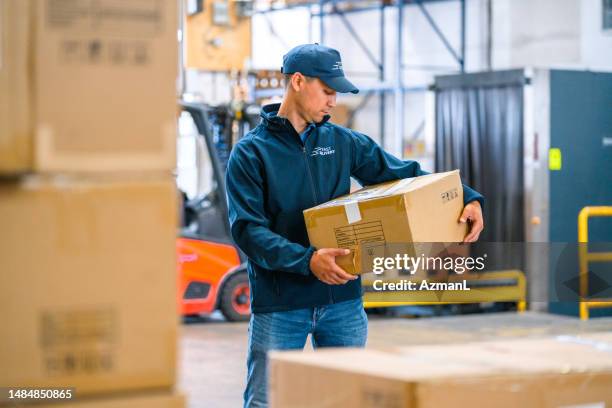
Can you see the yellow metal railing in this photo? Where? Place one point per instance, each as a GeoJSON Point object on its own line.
{"type": "Point", "coordinates": [585, 257]}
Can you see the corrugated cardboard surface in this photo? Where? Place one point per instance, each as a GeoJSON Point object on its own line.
{"type": "Point", "coordinates": [422, 209]}
{"type": "Point", "coordinates": [552, 372]}
{"type": "Point", "coordinates": [15, 88]}
{"type": "Point", "coordinates": [88, 283]}
{"type": "Point", "coordinates": [340, 114]}
{"type": "Point", "coordinates": [95, 84]}
{"type": "Point", "coordinates": [132, 401]}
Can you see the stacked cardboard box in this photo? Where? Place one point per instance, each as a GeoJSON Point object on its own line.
{"type": "Point", "coordinates": [87, 86]}
{"type": "Point", "coordinates": [151, 400]}
{"type": "Point", "coordinates": [88, 204]}
{"type": "Point", "coordinates": [555, 372]}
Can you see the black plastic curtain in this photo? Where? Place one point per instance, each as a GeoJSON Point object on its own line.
{"type": "Point", "coordinates": [479, 130]}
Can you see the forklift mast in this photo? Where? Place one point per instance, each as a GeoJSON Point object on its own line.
{"type": "Point", "coordinates": [210, 212]}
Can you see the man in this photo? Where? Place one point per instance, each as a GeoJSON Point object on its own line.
{"type": "Point", "coordinates": [273, 174]}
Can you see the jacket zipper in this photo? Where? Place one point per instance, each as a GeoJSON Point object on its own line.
{"type": "Point", "coordinates": [312, 185]}
{"type": "Point", "coordinates": [314, 194]}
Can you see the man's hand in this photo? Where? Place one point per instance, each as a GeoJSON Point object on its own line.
{"type": "Point", "coordinates": [472, 212]}
{"type": "Point", "coordinates": [323, 266]}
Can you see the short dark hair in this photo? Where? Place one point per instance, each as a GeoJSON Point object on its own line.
{"type": "Point", "coordinates": [287, 78]}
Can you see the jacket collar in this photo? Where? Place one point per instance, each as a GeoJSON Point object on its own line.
{"type": "Point", "coordinates": [272, 121]}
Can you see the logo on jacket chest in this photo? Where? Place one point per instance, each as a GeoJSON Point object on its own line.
{"type": "Point", "coordinates": [322, 151]}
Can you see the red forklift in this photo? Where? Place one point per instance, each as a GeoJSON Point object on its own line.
{"type": "Point", "coordinates": [212, 270]}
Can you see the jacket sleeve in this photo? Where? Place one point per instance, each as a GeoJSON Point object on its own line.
{"type": "Point", "coordinates": [249, 223]}
{"type": "Point", "coordinates": [372, 165]}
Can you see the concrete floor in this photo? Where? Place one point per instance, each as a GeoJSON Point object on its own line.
{"type": "Point", "coordinates": [213, 352]}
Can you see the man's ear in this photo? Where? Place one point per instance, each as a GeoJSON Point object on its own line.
{"type": "Point", "coordinates": [297, 81]}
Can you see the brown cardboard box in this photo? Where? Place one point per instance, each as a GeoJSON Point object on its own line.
{"type": "Point", "coordinates": [87, 86]}
{"type": "Point", "coordinates": [340, 114]}
{"type": "Point", "coordinates": [88, 283]}
{"type": "Point", "coordinates": [386, 219]}
{"type": "Point", "coordinates": [153, 400]}
{"type": "Point", "coordinates": [15, 87]}
{"type": "Point", "coordinates": [554, 372]}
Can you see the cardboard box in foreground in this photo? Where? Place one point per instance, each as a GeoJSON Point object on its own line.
{"type": "Point", "coordinates": [87, 86]}
{"type": "Point", "coordinates": [88, 284]}
{"type": "Point", "coordinates": [154, 400]}
{"type": "Point", "coordinates": [557, 372]}
{"type": "Point", "coordinates": [383, 220]}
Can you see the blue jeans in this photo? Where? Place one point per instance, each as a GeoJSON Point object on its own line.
{"type": "Point", "coordinates": [336, 325]}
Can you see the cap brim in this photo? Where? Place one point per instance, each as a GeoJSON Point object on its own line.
{"type": "Point", "coordinates": [340, 84]}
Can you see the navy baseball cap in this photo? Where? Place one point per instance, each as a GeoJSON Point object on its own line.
{"type": "Point", "coordinates": [321, 62]}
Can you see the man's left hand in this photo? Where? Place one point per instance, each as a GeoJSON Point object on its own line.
{"type": "Point", "coordinates": [472, 212]}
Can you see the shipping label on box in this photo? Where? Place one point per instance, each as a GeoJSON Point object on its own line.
{"type": "Point", "coordinates": [408, 216]}
{"type": "Point", "coordinates": [79, 340]}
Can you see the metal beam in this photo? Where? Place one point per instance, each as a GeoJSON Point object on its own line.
{"type": "Point", "coordinates": [347, 11]}
{"type": "Point", "coordinates": [381, 95]}
{"type": "Point", "coordinates": [358, 39]}
{"type": "Point", "coordinates": [321, 25]}
{"type": "Point", "coordinates": [350, 10]}
{"type": "Point", "coordinates": [274, 33]}
{"type": "Point", "coordinates": [310, 41]}
{"type": "Point", "coordinates": [462, 35]}
{"type": "Point", "coordinates": [441, 35]}
{"type": "Point", "coordinates": [489, 35]}
{"type": "Point", "coordinates": [398, 135]}
{"type": "Point", "coordinates": [282, 8]}
{"type": "Point", "coordinates": [364, 101]}
{"type": "Point", "coordinates": [421, 67]}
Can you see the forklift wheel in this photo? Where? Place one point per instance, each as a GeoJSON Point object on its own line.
{"type": "Point", "coordinates": [235, 298]}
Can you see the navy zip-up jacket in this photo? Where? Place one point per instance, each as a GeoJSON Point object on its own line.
{"type": "Point", "coordinates": [272, 176]}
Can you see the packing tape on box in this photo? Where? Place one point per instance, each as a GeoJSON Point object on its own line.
{"type": "Point", "coordinates": [352, 212]}
{"type": "Point", "coordinates": [400, 185]}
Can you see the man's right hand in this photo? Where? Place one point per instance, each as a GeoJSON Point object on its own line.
{"type": "Point", "coordinates": [323, 266]}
